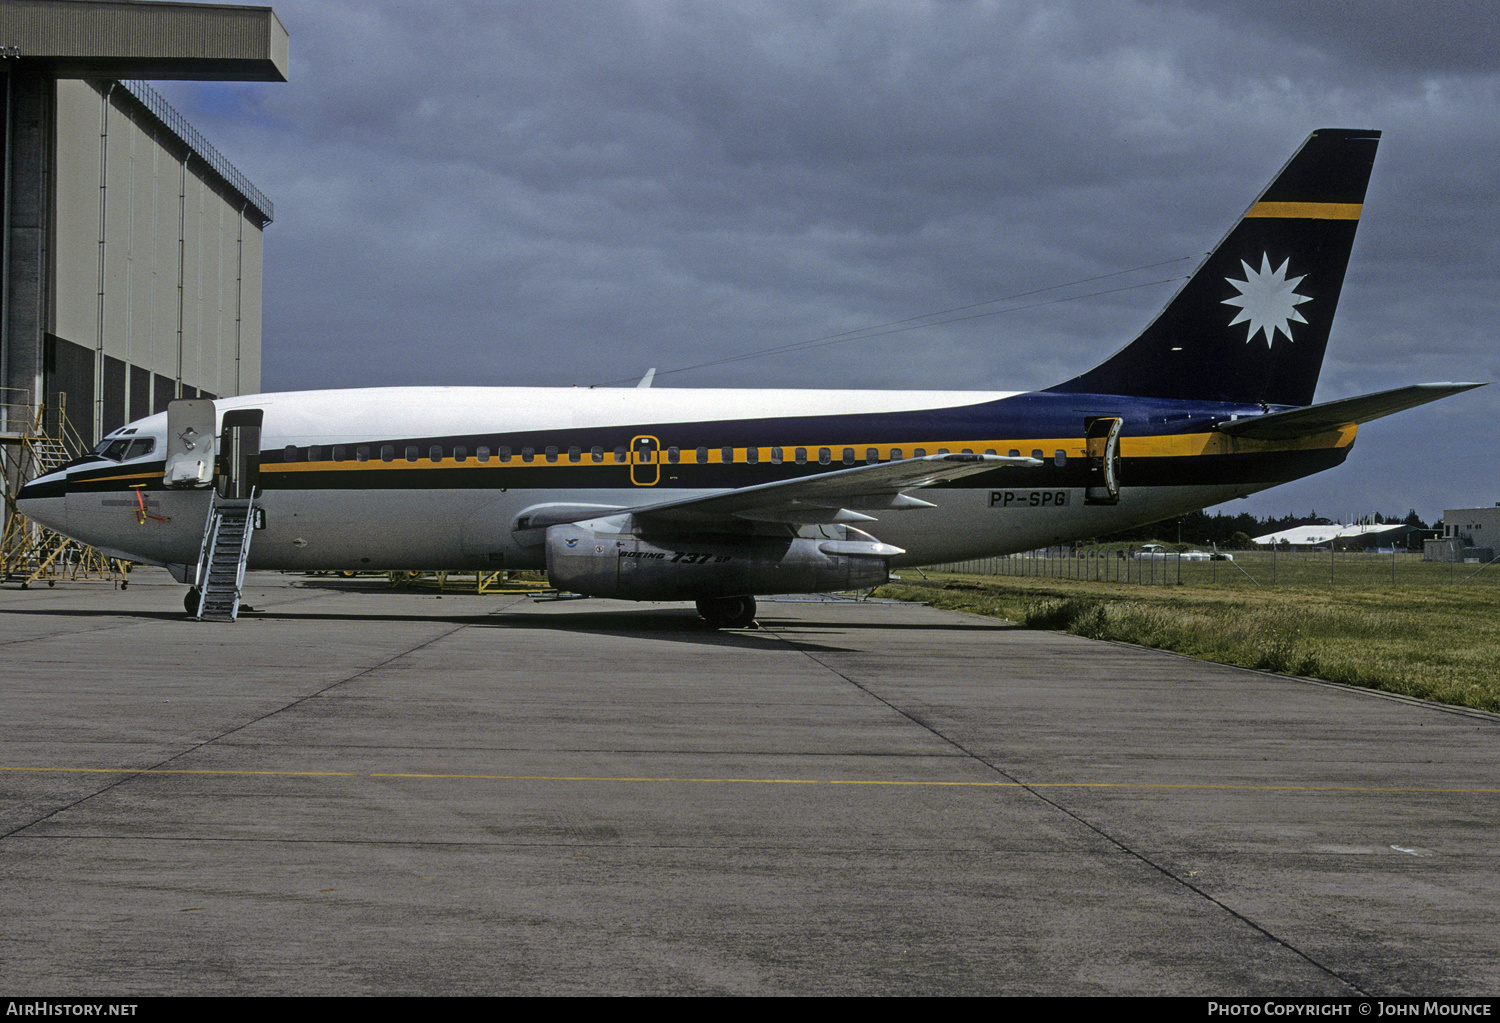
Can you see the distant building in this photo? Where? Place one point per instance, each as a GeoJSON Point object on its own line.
{"type": "Point", "coordinates": [1474, 526]}
{"type": "Point", "coordinates": [1310, 537]}
{"type": "Point", "coordinates": [1469, 534]}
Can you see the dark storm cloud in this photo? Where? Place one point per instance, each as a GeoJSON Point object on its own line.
{"type": "Point", "coordinates": [1374, 36]}
{"type": "Point", "coordinates": [571, 192]}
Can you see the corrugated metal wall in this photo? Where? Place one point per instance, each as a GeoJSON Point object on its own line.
{"type": "Point", "coordinates": [156, 263]}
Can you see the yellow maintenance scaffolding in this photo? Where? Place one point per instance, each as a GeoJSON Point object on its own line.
{"type": "Point", "coordinates": [31, 552]}
{"type": "Point", "coordinates": [472, 582]}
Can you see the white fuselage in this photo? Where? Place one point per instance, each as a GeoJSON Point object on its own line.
{"type": "Point", "coordinates": [446, 508]}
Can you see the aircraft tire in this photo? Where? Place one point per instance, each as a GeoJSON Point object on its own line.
{"type": "Point", "coordinates": [728, 612]}
{"type": "Point", "coordinates": [190, 601]}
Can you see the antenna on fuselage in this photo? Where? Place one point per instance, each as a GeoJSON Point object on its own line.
{"type": "Point", "coordinates": [650, 376]}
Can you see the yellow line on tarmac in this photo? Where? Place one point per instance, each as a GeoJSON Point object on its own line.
{"type": "Point", "coordinates": [767, 781]}
{"type": "Point", "coordinates": [933, 784]}
{"type": "Point", "coordinates": [164, 770]}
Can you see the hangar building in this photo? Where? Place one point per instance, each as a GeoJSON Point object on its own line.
{"type": "Point", "coordinates": [130, 250]}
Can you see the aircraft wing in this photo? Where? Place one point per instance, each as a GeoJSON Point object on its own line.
{"type": "Point", "coordinates": [839, 496]}
{"type": "Point", "coordinates": [1331, 415]}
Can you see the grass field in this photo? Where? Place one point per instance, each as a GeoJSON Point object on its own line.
{"type": "Point", "coordinates": [1420, 636]}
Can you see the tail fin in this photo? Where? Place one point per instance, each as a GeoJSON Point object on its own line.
{"type": "Point", "coordinates": [1252, 322]}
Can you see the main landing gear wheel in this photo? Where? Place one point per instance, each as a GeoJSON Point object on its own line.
{"type": "Point", "coordinates": [190, 601]}
{"type": "Point", "coordinates": [728, 612]}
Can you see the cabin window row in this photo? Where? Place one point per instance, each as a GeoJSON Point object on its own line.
{"type": "Point", "coordinates": [552, 453]}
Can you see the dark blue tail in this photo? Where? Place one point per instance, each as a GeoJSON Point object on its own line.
{"type": "Point", "coordinates": [1252, 322]}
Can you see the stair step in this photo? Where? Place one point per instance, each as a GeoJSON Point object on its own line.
{"type": "Point", "coordinates": [225, 546]}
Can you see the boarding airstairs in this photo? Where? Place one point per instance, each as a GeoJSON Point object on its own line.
{"type": "Point", "coordinates": [222, 557]}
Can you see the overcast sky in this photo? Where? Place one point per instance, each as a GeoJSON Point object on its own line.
{"type": "Point", "coordinates": [558, 192]}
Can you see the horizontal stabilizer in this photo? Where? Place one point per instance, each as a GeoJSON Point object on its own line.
{"type": "Point", "coordinates": [1333, 414]}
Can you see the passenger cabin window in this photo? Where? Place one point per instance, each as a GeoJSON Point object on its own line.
{"type": "Point", "coordinates": [896, 455]}
{"type": "Point", "coordinates": [528, 454]}
{"type": "Point", "coordinates": [575, 453]}
{"type": "Point", "coordinates": [411, 453]}
{"type": "Point", "coordinates": [1037, 454]}
{"type": "Point", "coordinates": [314, 454]}
{"type": "Point", "coordinates": [290, 454]}
{"type": "Point", "coordinates": [800, 456]}
{"type": "Point", "coordinates": [482, 453]}
{"type": "Point", "coordinates": [596, 453]}
{"type": "Point", "coordinates": [872, 455]}
{"type": "Point", "coordinates": [551, 453]}
{"type": "Point", "coordinates": [1059, 458]}
{"type": "Point", "coordinates": [460, 454]}
{"type": "Point", "coordinates": [726, 455]}
{"type": "Point", "coordinates": [919, 453]}
{"type": "Point", "coordinates": [502, 453]}
{"type": "Point", "coordinates": [942, 451]}
{"type": "Point", "coordinates": [824, 456]}
{"type": "Point", "coordinates": [619, 456]}
{"type": "Point", "coordinates": [776, 456]}
{"type": "Point", "coordinates": [387, 452]}
{"type": "Point", "coordinates": [362, 453]}
{"type": "Point", "coordinates": [848, 456]}
{"type": "Point", "coordinates": [1014, 452]}
{"type": "Point", "coordinates": [435, 453]}
{"type": "Point", "coordinates": [702, 454]}
{"type": "Point", "coordinates": [338, 452]}
{"type": "Point", "coordinates": [752, 455]}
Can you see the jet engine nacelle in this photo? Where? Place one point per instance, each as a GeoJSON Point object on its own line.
{"type": "Point", "coordinates": [605, 558]}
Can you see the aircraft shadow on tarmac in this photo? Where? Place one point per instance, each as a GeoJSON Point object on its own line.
{"type": "Point", "coordinates": [673, 625]}
{"type": "Point", "coordinates": [93, 613]}
{"type": "Point", "coordinates": [669, 624]}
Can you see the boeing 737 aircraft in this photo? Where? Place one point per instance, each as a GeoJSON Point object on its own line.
{"type": "Point", "coordinates": [719, 495]}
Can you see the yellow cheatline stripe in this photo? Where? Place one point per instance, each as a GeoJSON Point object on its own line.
{"type": "Point", "coordinates": [1215, 443]}
{"type": "Point", "coordinates": [1161, 446]}
{"type": "Point", "coordinates": [763, 781]}
{"type": "Point", "coordinates": [740, 456]}
{"type": "Point", "coordinates": [1307, 210]}
{"type": "Point", "coordinates": [128, 476]}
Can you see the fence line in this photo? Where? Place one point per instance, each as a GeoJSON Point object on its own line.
{"type": "Point", "coordinates": [1369, 569]}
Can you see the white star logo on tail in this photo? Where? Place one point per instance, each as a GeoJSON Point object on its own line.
{"type": "Point", "coordinates": [1267, 300]}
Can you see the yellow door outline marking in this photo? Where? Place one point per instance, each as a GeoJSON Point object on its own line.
{"type": "Point", "coordinates": [635, 460]}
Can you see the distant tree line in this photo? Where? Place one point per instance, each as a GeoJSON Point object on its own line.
{"type": "Point", "coordinates": [1235, 532]}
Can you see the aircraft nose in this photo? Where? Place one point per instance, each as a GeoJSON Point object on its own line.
{"type": "Point", "coordinates": [43, 500]}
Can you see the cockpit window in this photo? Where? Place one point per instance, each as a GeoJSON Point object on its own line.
{"type": "Point", "coordinates": [113, 449]}
{"type": "Point", "coordinates": [123, 449]}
